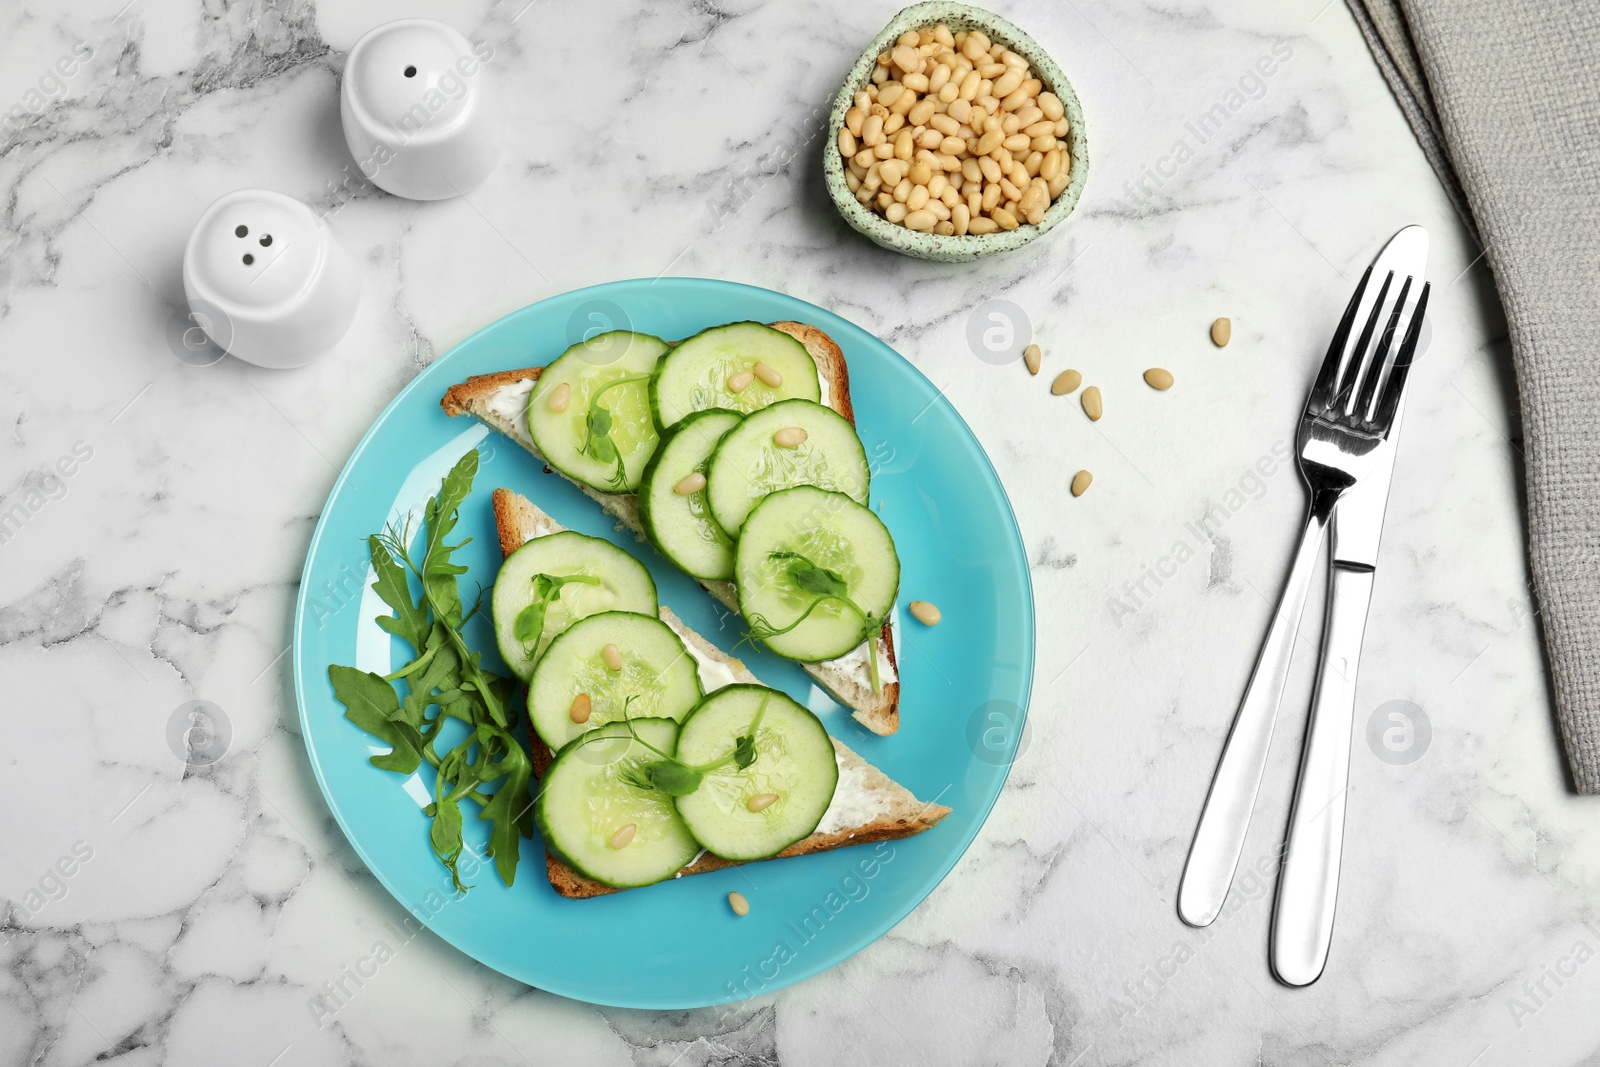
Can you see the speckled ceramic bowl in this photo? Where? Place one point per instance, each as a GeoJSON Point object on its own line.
{"type": "Point", "coordinates": [931, 245]}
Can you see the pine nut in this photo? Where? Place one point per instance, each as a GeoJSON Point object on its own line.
{"type": "Point", "coordinates": [908, 59]}
{"type": "Point", "coordinates": [1032, 356]}
{"type": "Point", "coordinates": [1157, 378]}
{"type": "Point", "coordinates": [691, 483]}
{"type": "Point", "coordinates": [921, 220]}
{"type": "Point", "coordinates": [738, 383]}
{"type": "Point", "coordinates": [925, 613]}
{"type": "Point", "coordinates": [1005, 219]}
{"type": "Point", "coordinates": [790, 437]}
{"type": "Point", "coordinates": [559, 398]}
{"type": "Point", "coordinates": [1066, 382]}
{"type": "Point", "coordinates": [613, 657]}
{"type": "Point", "coordinates": [581, 708]}
{"type": "Point", "coordinates": [740, 906]}
{"type": "Point", "coordinates": [1080, 482]}
{"type": "Point", "coordinates": [1050, 104]}
{"type": "Point", "coordinates": [1221, 332]}
{"type": "Point", "coordinates": [769, 375]}
{"type": "Point", "coordinates": [1093, 406]}
{"type": "Point", "coordinates": [761, 801]}
{"type": "Point", "coordinates": [624, 836]}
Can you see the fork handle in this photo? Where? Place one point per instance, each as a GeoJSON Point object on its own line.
{"type": "Point", "coordinates": [1219, 839]}
{"type": "Point", "coordinates": [1308, 888]}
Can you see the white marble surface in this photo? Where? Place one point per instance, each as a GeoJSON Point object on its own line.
{"type": "Point", "coordinates": [681, 136]}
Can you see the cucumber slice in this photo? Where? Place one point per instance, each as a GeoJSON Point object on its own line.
{"type": "Point", "coordinates": [794, 760]}
{"type": "Point", "coordinates": [796, 546]}
{"type": "Point", "coordinates": [657, 672]}
{"type": "Point", "coordinates": [603, 436]}
{"type": "Point", "coordinates": [748, 465]}
{"type": "Point", "coordinates": [609, 579]}
{"type": "Point", "coordinates": [694, 375]}
{"type": "Point", "coordinates": [586, 797]}
{"type": "Point", "coordinates": [681, 525]}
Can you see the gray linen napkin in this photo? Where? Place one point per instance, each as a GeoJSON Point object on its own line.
{"type": "Point", "coordinates": [1504, 96]}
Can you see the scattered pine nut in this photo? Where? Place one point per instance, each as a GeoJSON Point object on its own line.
{"type": "Point", "coordinates": [1066, 382]}
{"type": "Point", "coordinates": [761, 801]}
{"type": "Point", "coordinates": [925, 613]}
{"type": "Point", "coordinates": [738, 383]}
{"type": "Point", "coordinates": [581, 708]}
{"type": "Point", "coordinates": [613, 657]}
{"type": "Point", "coordinates": [691, 483]}
{"type": "Point", "coordinates": [624, 836]}
{"type": "Point", "coordinates": [1080, 482]}
{"type": "Point", "coordinates": [768, 375]}
{"type": "Point", "coordinates": [559, 398]}
{"type": "Point", "coordinates": [790, 437]}
{"type": "Point", "coordinates": [1157, 378]}
{"type": "Point", "coordinates": [1032, 357]}
{"type": "Point", "coordinates": [1221, 331]}
{"type": "Point", "coordinates": [1093, 406]}
{"type": "Point", "coordinates": [740, 906]}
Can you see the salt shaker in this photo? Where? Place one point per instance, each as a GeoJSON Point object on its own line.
{"type": "Point", "coordinates": [419, 113]}
{"type": "Point", "coordinates": [268, 281]}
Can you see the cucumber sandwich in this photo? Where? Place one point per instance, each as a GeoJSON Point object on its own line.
{"type": "Point", "coordinates": [657, 754]}
{"type": "Point", "coordinates": [734, 453]}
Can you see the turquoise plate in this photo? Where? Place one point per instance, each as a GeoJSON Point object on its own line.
{"type": "Point", "coordinates": [678, 945]}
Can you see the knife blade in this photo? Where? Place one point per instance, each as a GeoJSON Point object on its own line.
{"type": "Point", "coordinates": [1302, 920]}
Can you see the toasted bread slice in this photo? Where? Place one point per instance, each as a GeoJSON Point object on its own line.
{"type": "Point", "coordinates": [501, 400]}
{"type": "Point", "coordinates": [876, 809]}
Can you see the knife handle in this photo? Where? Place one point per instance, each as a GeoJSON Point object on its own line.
{"type": "Point", "coordinates": [1219, 839]}
{"type": "Point", "coordinates": [1308, 887]}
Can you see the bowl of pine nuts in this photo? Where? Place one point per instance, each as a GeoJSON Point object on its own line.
{"type": "Point", "coordinates": [955, 136]}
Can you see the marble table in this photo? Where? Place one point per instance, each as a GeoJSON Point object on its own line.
{"type": "Point", "coordinates": [1247, 161]}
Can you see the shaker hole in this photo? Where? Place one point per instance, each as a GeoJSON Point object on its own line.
{"type": "Point", "coordinates": [248, 259]}
{"type": "Point", "coordinates": [242, 231]}
{"type": "Point", "coordinates": [266, 239]}
{"type": "Point", "coordinates": [411, 72]}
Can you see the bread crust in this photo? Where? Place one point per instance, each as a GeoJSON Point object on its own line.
{"type": "Point", "coordinates": [516, 519]}
{"type": "Point", "coordinates": [877, 711]}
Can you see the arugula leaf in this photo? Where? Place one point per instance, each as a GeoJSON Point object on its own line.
{"type": "Point", "coordinates": [447, 675]}
{"type": "Point", "coordinates": [411, 619]}
{"type": "Point", "coordinates": [510, 811]}
{"type": "Point", "coordinates": [371, 703]}
{"type": "Point", "coordinates": [445, 835]}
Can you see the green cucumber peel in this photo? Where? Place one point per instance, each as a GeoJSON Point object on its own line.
{"type": "Point", "coordinates": [446, 675]}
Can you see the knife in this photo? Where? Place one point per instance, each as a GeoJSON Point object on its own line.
{"type": "Point", "coordinates": [1302, 919]}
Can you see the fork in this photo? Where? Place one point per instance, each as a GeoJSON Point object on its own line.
{"type": "Point", "coordinates": [1349, 412]}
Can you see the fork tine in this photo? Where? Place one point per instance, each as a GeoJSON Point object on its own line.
{"type": "Point", "coordinates": [1322, 391]}
{"type": "Point", "coordinates": [1369, 383]}
{"type": "Point", "coordinates": [1358, 354]}
{"type": "Point", "coordinates": [1392, 392]}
